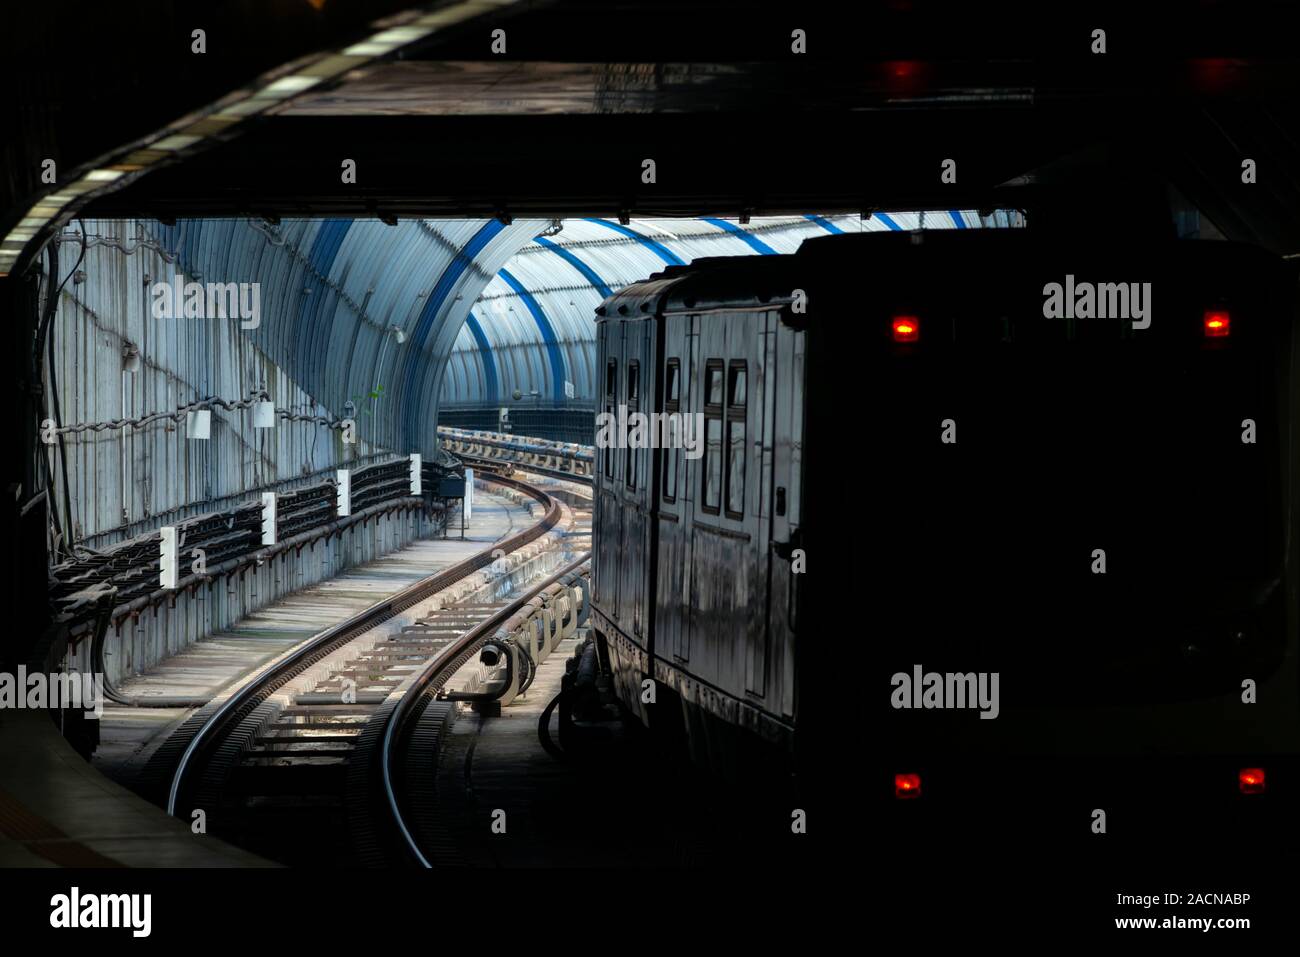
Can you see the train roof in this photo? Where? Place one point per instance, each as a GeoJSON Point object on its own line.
{"type": "Point", "coordinates": [763, 281]}
{"type": "Point", "coordinates": [731, 281]}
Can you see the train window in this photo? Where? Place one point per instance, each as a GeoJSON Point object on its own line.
{"type": "Point", "coordinates": [735, 476]}
{"type": "Point", "coordinates": [713, 383]}
{"type": "Point", "coordinates": [712, 463]}
{"type": "Point", "coordinates": [633, 405]}
{"type": "Point", "coordinates": [736, 384]}
{"type": "Point", "coordinates": [611, 382]}
{"type": "Point", "coordinates": [712, 471]}
{"type": "Point", "coordinates": [736, 468]}
{"type": "Point", "coordinates": [670, 474]}
{"type": "Point", "coordinates": [672, 378]}
{"type": "Point", "coordinates": [670, 381]}
{"type": "Point", "coordinates": [713, 386]}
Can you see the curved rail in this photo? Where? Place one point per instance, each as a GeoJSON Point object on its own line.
{"type": "Point", "coordinates": [566, 460]}
{"type": "Point", "coordinates": [480, 462]}
{"type": "Point", "coordinates": [429, 681]}
{"type": "Point", "coordinates": [275, 675]}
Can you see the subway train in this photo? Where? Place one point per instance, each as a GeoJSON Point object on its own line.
{"type": "Point", "coordinates": [1061, 470]}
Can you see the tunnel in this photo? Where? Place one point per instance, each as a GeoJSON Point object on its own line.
{"type": "Point", "coordinates": [592, 461]}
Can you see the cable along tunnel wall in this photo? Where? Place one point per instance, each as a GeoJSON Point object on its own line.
{"type": "Point", "coordinates": [123, 460]}
{"type": "Point", "coordinates": [114, 360]}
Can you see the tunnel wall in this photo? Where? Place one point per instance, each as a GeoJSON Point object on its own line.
{"type": "Point", "coordinates": [126, 481]}
{"type": "Point", "coordinates": [312, 347]}
{"type": "Point", "coordinates": [383, 320]}
{"type": "Point", "coordinates": [336, 294]}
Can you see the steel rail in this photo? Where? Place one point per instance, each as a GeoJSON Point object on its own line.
{"type": "Point", "coordinates": [475, 461]}
{"type": "Point", "coordinates": [265, 682]}
{"type": "Point", "coordinates": [429, 680]}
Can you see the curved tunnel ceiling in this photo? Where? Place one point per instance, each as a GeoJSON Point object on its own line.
{"type": "Point", "coordinates": [356, 310]}
{"type": "Point", "coordinates": [532, 328]}
{"type": "Point", "coordinates": [398, 318]}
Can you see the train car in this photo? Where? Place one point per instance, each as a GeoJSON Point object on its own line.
{"type": "Point", "coordinates": [696, 572]}
{"type": "Point", "coordinates": [1064, 463]}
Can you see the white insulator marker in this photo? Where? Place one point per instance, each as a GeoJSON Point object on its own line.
{"type": "Point", "coordinates": [268, 518]}
{"type": "Point", "coordinates": [168, 563]}
{"type": "Point", "coordinates": [415, 473]}
{"type": "Point", "coordinates": [345, 493]}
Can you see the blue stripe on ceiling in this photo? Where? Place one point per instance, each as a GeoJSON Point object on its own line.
{"type": "Point", "coordinates": [310, 347]}
{"type": "Point", "coordinates": [429, 316]}
{"type": "Point", "coordinates": [753, 242]}
{"type": "Point", "coordinates": [658, 249]}
{"type": "Point", "coordinates": [824, 223]}
{"type": "Point", "coordinates": [485, 352]}
{"type": "Point", "coordinates": [587, 272]}
{"type": "Point", "coordinates": [548, 334]}
{"type": "Point", "coordinates": [888, 221]}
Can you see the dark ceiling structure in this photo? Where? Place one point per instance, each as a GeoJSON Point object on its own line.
{"type": "Point", "coordinates": [558, 118]}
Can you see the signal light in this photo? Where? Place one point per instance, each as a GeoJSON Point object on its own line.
{"type": "Point", "coordinates": [907, 785]}
{"type": "Point", "coordinates": [1217, 324]}
{"type": "Point", "coordinates": [907, 329]}
{"type": "Point", "coordinates": [1251, 780]}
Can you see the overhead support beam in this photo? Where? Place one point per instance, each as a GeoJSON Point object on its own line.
{"type": "Point", "coordinates": [276, 168]}
{"type": "Point", "coordinates": [293, 70]}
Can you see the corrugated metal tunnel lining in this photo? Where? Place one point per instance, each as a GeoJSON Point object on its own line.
{"type": "Point", "coordinates": [355, 318]}
{"type": "Point", "coordinates": [532, 329]}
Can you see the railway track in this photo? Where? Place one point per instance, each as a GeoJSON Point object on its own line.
{"type": "Point", "coordinates": [504, 466]}
{"type": "Point", "coordinates": [302, 763]}
{"type": "Point", "coordinates": [410, 730]}
{"type": "Point", "coordinates": [566, 460]}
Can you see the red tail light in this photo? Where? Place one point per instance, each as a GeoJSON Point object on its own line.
{"type": "Point", "coordinates": [907, 329]}
{"type": "Point", "coordinates": [907, 785]}
{"type": "Point", "coordinates": [1251, 780]}
{"type": "Point", "coordinates": [1217, 324]}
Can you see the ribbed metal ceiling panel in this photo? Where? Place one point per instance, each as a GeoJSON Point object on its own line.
{"type": "Point", "coordinates": [337, 294]}
{"type": "Point", "coordinates": [360, 312]}
{"type": "Point", "coordinates": [566, 274]}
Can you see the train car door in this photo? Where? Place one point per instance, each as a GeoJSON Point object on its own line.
{"type": "Point", "coordinates": [607, 522]}
{"type": "Point", "coordinates": [785, 392]}
{"type": "Point", "coordinates": [729, 529]}
{"type": "Point", "coordinates": [636, 394]}
{"type": "Point", "coordinates": [673, 579]}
